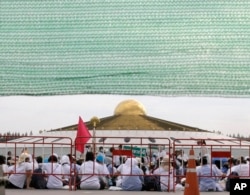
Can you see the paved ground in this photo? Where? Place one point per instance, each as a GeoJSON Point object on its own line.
{"type": "Point", "coordinates": [96, 192]}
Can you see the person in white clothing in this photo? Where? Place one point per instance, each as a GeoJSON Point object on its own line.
{"type": "Point", "coordinates": [9, 157]}
{"type": "Point", "coordinates": [90, 172]}
{"type": "Point", "coordinates": [54, 172]}
{"type": "Point", "coordinates": [103, 178]}
{"type": "Point", "coordinates": [117, 160]}
{"type": "Point", "coordinates": [241, 169]}
{"type": "Point", "coordinates": [20, 174]}
{"type": "Point", "coordinates": [12, 165]}
{"type": "Point", "coordinates": [208, 176]}
{"type": "Point", "coordinates": [25, 150]}
{"type": "Point", "coordinates": [165, 171]}
{"type": "Point", "coordinates": [162, 153]}
{"type": "Point", "coordinates": [204, 151]}
{"type": "Point", "coordinates": [132, 179]}
{"type": "Point", "coordinates": [247, 159]}
{"type": "Point", "coordinates": [66, 170]}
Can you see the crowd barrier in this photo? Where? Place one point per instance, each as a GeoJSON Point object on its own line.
{"type": "Point", "coordinates": [139, 147]}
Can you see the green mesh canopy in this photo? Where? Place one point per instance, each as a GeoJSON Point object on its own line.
{"type": "Point", "coordinates": [129, 47]}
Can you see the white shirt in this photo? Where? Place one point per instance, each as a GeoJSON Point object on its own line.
{"type": "Point", "coordinates": [89, 175]}
{"type": "Point", "coordinates": [242, 170]}
{"type": "Point", "coordinates": [54, 171]}
{"type": "Point", "coordinates": [18, 178]}
{"type": "Point", "coordinates": [119, 178]}
{"type": "Point", "coordinates": [166, 178]}
{"type": "Point", "coordinates": [116, 160]}
{"type": "Point", "coordinates": [66, 169]}
{"type": "Point", "coordinates": [162, 154]}
{"type": "Point", "coordinates": [104, 168]}
{"type": "Point", "coordinates": [207, 178]}
{"type": "Point", "coordinates": [126, 169]}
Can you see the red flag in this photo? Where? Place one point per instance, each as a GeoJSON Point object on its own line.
{"type": "Point", "coordinates": [82, 136]}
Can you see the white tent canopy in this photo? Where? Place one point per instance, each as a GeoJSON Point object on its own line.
{"type": "Point", "coordinates": [64, 140]}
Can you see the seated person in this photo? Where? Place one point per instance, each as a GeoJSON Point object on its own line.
{"type": "Point", "coordinates": [103, 178]}
{"type": "Point", "coordinates": [66, 169]}
{"type": "Point", "coordinates": [131, 175]}
{"type": "Point", "coordinates": [165, 171]}
{"type": "Point", "coordinates": [20, 175]}
{"type": "Point", "coordinates": [54, 172]}
{"type": "Point", "coordinates": [38, 179]}
{"type": "Point", "coordinates": [208, 177]}
{"type": "Point", "coordinates": [242, 169]}
{"type": "Point", "coordinates": [90, 172]}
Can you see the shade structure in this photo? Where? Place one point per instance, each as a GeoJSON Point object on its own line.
{"type": "Point", "coordinates": [139, 47]}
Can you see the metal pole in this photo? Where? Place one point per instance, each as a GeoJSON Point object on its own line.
{"type": "Point", "coordinates": [94, 121]}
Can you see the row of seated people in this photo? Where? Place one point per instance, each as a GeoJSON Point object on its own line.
{"type": "Point", "coordinates": [91, 174]}
{"type": "Point", "coordinates": [94, 174]}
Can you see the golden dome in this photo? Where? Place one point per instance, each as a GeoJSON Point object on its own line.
{"type": "Point", "coordinates": [130, 107]}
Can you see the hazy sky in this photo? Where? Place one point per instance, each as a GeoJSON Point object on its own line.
{"type": "Point", "coordinates": [26, 113]}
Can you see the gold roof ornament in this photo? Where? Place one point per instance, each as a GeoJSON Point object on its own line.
{"type": "Point", "coordinates": [95, 121]}
{"type": "Point", "coordinates": [131, 115]}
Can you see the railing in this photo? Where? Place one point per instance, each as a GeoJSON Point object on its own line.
{"type": "Point", "coordinates": [139, 147]}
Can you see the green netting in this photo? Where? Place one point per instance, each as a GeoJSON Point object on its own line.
{"type": "Point", "coordinates": [150, 47]}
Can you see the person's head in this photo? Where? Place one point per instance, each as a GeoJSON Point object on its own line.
{"type": "Point", "coordinates": [201, 142]}
{"type": "Point", "coordinates": [100, 159]}
{"type": "Point", "coordinates": [144, 169]}
{"type": "Point", "coordinates": [204, 160]}
{"type": "Point", "coordinates": [90, 156]}
{"type": "Point", "coordinates": [217, 163]}
{"type": "Point", "coordinates": [65, 160]}
{"type": "Point", "coordinates": [101, 149]}
{"type": "Point", "coordinates": [183, 181]}
{"type": "Point", "coordinates": [232, 161]}
{"type": "Point", "coordinates": [242, 160]}
{"type": "Point", "coordinates": [27, 159]}
{"type": "Point", "coordinates": [12, 161]}
{"type": "Point", "coordinates": [177, 153]}
{"type": "Point", "coordinates": [165, 163]}
{"type": "Point", "coordinates": [131, 162]}
{"type": "Point", "coordinates": [9, 153]}
{"type": "Point", "coordinates": [111, 149]}
{"type": "Point", "coordinates": [198, 162]}
{"type": "Point", "coordinates": [39, 159]}
{"type": "Point", "coordinates": [24, 157]}
{"type": "Point", "coordinates": [225, 165]}
{"type": "Point", "coordinates": [161, 148]}
{"type": "Point", "coordinates": [53, 158]}
{"type": "Point", "coordinates": [72, 158]}
{"type": "Point", "coordinates": [2, 160]}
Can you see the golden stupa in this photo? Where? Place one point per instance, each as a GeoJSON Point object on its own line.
{"type": "Point", "coordinates": [129, 107]}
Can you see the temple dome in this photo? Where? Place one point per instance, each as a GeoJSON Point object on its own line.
{"type": "Point", "coordinates": [130, 107]}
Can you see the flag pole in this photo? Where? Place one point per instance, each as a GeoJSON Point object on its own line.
{"type": "Point", "coordinates": [94, 121]}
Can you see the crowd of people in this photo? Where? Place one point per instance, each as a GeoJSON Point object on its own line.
{"type": "Point", "coordinates": [160, 171]}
